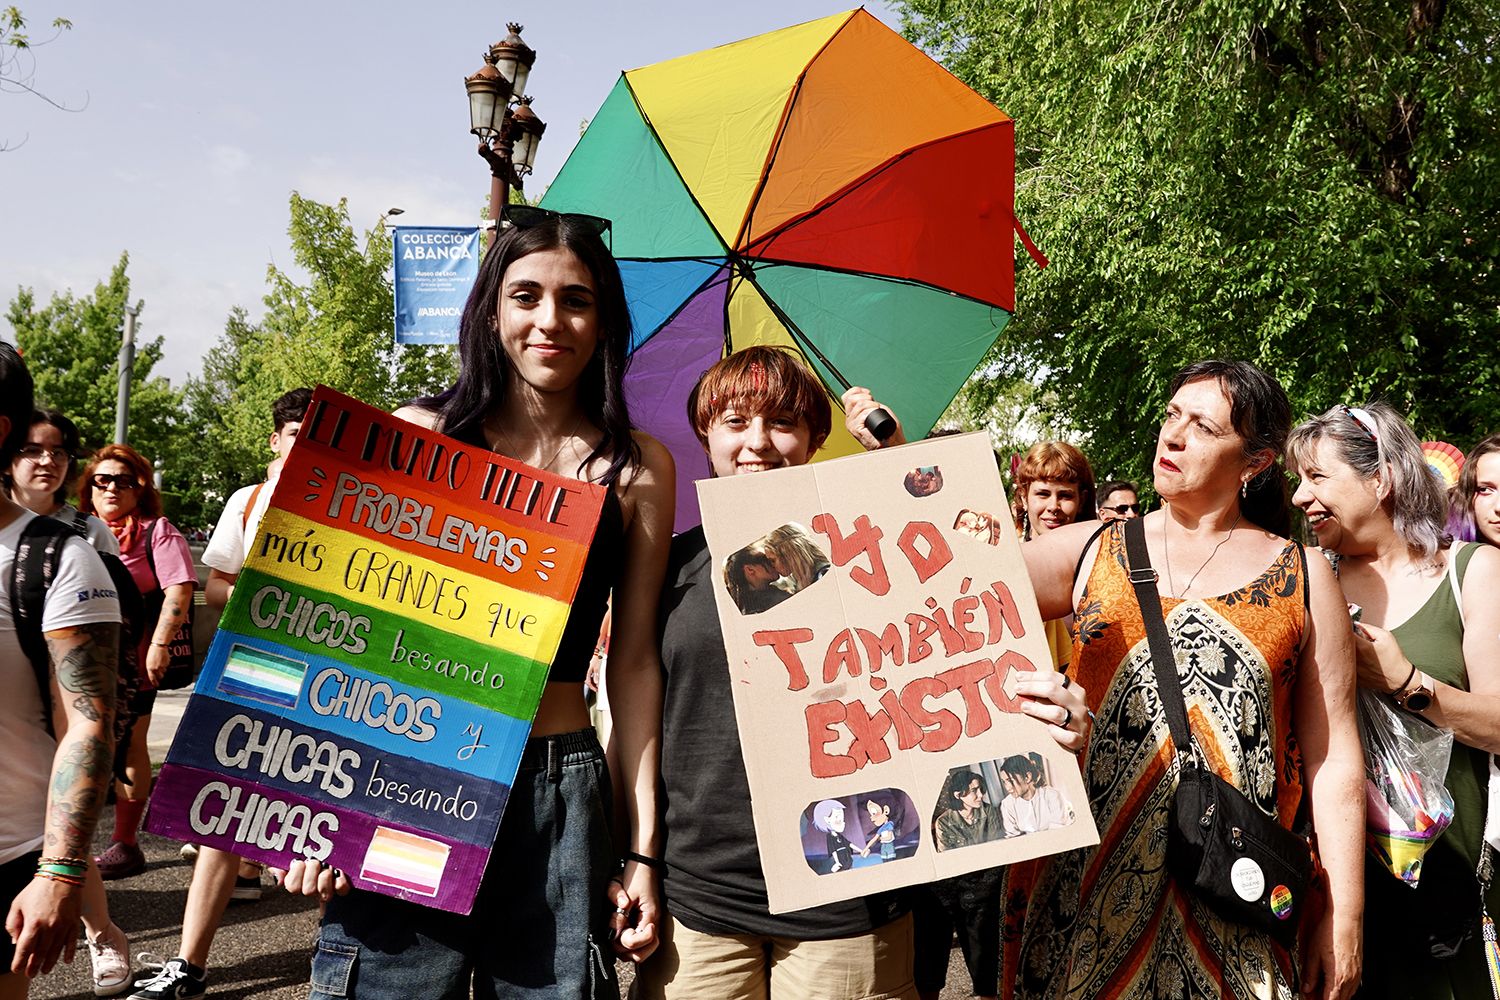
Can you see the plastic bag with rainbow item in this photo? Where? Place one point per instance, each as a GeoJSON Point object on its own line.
{"type": "Point", "coordinates": [1407, 804]}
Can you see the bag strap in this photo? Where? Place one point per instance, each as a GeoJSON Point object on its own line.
{"type": "Point", "coordinates": [1078, 568]}
{"type": "Point", "coordinates": [1453, 580]}
{"type": "Point", "coordinates": [1143, 578]}
{"type": "Point", "coordinates": [38, 555]}
{"type": "Point", "coordinates": [151, 553]}
{"type": "Point", "coordinates": [250, 507]}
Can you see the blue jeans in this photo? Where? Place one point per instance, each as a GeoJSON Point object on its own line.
{"type": "Point", "coordinates": [539, 925]}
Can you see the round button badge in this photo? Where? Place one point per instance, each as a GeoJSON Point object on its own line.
{"type": "Point", "coordinates": [1281, 902]}
{"type": "Point", "coordinates": [1248, 880]}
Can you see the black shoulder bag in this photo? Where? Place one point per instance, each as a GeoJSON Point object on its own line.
{"type": "Point", "coordinates": [1243, 864]}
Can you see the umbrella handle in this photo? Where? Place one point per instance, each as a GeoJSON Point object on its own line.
{"type": "Point", "coordinates": [880, 423]}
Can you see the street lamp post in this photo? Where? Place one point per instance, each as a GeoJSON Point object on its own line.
{"type": "Point", "coordinates": [127, 367]}
{"type": "Point", "coordinates": [500, 115]}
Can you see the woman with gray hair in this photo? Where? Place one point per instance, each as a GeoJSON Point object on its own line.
{"type": "Point", "coordinates": [1425, 635]}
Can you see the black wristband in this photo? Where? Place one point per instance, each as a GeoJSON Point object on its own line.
{"type": "Point", "coordinates": [656, 864]}
{"type": "Point", "coordinates": [1403, 685]}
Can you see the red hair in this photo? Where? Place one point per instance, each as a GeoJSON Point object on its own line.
{"type": "Point", "coordinates": [1059, 462]}
{"type": "Point", "coordinates": [761, 379]}
{"type": "Point", "coordinates": [148, 501]}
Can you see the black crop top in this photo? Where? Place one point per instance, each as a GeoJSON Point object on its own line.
{"type": "Point", "coordinates": [601, 571]}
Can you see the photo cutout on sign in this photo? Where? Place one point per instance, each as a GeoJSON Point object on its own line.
{"type": "Point", "coordinates": [996, 799]}
{"type": "Point", "coordinates": [978, 524]}
{"type": "Point", "coordinates": [923, 481]}
{"type": "Point", "coordinates": [779, 565]}
{"type": "Point", "coordinates": [859, 831]}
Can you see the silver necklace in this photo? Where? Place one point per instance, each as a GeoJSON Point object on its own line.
{"type": "Point", "coordinates": [547, 465]}
{"type": "Point", "coordinates": [1167, 555]}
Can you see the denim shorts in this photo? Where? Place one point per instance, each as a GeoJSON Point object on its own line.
{"type": "Point", "coordinates": [539, 925]}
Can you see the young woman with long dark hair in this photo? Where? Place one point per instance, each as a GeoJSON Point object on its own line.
{"type": "Point", "coordinates": [542, 348]}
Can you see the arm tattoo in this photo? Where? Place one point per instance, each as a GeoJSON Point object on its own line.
{"type": "Point", "coordinates": [80, 774]}
{"type": "Point", "coordinates": [85, 707]}
{"type": "Point", "coordinates": [83, 663]}
{"type": "Point", "coordinates": [84, 659]}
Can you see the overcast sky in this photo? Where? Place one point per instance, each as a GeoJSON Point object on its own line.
{"type": "Point", "coordinates": [197, 120]}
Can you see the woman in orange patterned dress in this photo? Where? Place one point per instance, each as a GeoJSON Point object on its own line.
{"type": "Point", "coordinates": [1264, 653]}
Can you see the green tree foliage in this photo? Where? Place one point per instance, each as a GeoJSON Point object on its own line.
{"type": "Point", "coordinates": [329, 325]}
{"type": "Point", "coordinates": [17, 62]}
{"type": "Point", "coordinates": [1310, 186]}
{"type": "Point", "coordinates": [71, 346]}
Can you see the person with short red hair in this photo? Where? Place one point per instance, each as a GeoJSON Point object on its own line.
{"type": "Point", "coordinates": [756, 410]}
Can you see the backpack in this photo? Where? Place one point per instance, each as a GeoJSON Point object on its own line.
{"type": "Point", "coordinates": [38, 554]}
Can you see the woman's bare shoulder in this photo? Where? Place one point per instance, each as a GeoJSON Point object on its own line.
{"type": "Point", "coordinates": [418, 415]}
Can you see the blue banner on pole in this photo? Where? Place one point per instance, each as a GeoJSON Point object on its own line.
{"type": "Point", "coordinates": [435, 268]}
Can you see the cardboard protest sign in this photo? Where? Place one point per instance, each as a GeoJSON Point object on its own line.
{"type": "Point", "coordinates": [878, 617]}
{"type": "Point", "coordinates": [375, 675]}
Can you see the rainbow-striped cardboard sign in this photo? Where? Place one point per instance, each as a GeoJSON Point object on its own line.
{"type": "Point", "coordinates": [375, 675]}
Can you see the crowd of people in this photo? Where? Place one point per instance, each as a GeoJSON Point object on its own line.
{"type": "Point", "coordinates": [1267, 653]}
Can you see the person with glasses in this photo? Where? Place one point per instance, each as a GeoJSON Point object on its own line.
{"type": "Point", "coordinates": [1426, 639]}
{"type": "Point", "coordinates": [53, 776]}
{"type": "Point", "coordinates": [118, 487]}
{"type": "Point", "coordinates": [542, 351]}
{"type": "Point", "coordinates": [1119, 500]}
{"type": "Point", "coordinates": [220, 876]}
{"type": "Point", "coordinates": [39, 479]}
{"type": "Point", "coordinates": [1263, 647]}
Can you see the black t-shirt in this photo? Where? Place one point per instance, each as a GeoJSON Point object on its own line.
{"type": "Point", "coordinates": [714, 882]}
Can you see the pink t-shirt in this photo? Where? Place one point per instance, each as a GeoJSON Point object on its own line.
{"type": "Point", "coordinates": [174, 560]}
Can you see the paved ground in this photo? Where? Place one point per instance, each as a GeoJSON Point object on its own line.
{"type": "Point", "coordinates": [262, 949]}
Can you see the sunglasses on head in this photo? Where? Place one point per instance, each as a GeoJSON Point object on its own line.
{"type": "Point", "coordinates": [1121, 508]}
{"type": "Point", "coordinates": [119, 481]}
{"type": "Point", "coordinates": [530, 216]}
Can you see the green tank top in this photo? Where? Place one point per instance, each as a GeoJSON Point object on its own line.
{"type": "Point", "coordinates": [1433, 639]}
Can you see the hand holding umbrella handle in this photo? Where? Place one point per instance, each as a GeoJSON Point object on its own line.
{"type": "Point", "coordinates": [880, 423]}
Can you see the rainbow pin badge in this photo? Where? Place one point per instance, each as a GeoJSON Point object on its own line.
{"type": "Point", "coordinates": [1281, 902]}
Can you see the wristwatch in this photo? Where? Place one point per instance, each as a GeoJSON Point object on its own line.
{"type": "Point", "coordinates": [1417, 695]}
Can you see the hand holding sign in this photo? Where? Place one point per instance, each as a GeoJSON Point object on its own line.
{"type": "Point", "coordinates": [367, 698]}
{"type": "Point", "coordinates": [904, 660]}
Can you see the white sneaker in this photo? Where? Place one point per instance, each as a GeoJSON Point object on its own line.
{"type": "Point", "coordinates": [110, 955]}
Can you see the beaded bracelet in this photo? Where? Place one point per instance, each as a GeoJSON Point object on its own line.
{"type": "Point", "coordinates": [76, 862]}
{"type": "Point", "coordinates": [64, 879]}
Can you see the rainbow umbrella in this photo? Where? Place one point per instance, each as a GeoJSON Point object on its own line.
{"type": "Point", "coordinates": [1445, 461]}
{"type": "Point", "coordinates": [827, 187]}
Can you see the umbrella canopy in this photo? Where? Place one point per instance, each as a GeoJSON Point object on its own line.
{"type": "Point", "coordinates": [827, 187]}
